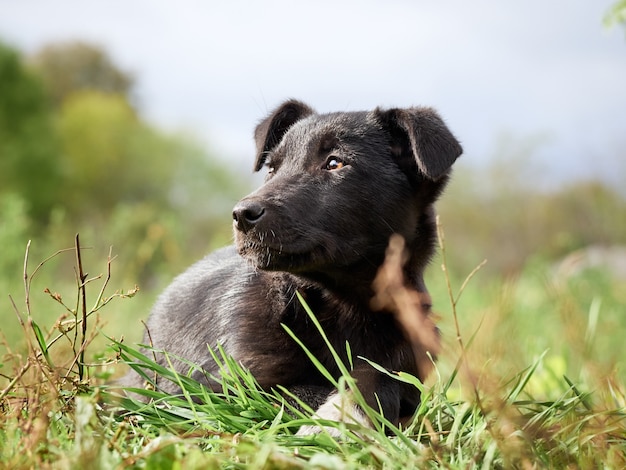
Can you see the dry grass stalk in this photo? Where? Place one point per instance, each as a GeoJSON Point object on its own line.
{"type": "Point", "coordinates": [410, 307]}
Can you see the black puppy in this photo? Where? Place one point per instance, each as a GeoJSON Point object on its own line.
{"type": "Point", "coordinates": [337, 187]}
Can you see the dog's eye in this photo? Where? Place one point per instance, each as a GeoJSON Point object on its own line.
{"type": "Point", "coordinates": [333, 163]}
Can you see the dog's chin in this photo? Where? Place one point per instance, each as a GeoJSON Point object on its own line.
{"type": "Point", "coordinates": [267, 258]}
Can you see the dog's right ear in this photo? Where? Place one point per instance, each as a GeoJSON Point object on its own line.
{"type": "Point", "coordinates": [420, 137]}
{"type": "Point", "coordinates": [271, 130]}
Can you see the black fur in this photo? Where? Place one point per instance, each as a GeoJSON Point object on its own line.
{"type": "Point", "coordinates": [338, 186]}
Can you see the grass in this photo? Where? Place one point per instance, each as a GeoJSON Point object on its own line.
{"type": "Point", "coordinates": [530, 377]}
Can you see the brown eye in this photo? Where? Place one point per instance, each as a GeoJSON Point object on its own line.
{"type": "Point", "coordinates": [333, 163]}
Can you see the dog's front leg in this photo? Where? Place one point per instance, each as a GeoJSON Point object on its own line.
{"type": "Point", "coordinates": [339, 407]}
{"type": "Point", "coordinates": [378, 391]}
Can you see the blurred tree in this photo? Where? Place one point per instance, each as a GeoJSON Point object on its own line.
{"type": "Point", "coordinates": [616, 14]}
{"type": "Point", "coordinates": [92, 164]}
{"type": "Point", "coordinates": [110, 156]}
{"type": "Point", "coordinates": [28, 145]}
{"type": "Point", "coordinates": [508, 227]}
{"type": "Point", "coordinates": [74, 66]}
{"type": "Point", "coordinates": [584, 213]}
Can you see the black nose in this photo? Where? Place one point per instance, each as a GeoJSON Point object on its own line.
{"type": "Point", "coordinates": [247, 214]}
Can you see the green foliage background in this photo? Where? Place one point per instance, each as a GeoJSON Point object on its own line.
{"type": "Point", "coordinates": [77, 156]}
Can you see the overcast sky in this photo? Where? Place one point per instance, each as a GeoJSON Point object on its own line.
{"type": "Point", "coordinates": [541, 69]}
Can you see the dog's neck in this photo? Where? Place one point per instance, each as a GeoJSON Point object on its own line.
{"type": "Point", "coordinates": [355, 283]}
{"type": "Point", "coordinates": [355, 286]}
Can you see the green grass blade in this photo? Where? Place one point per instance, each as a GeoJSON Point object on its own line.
{"type": "Point", "coordinates": [41, 342]}
{"type": "Point", "coordinates": [523, 379]}
{"type": "Point", "coordinates": [318, 365]}
{"type": "Point", "coordinates": [342, 367]}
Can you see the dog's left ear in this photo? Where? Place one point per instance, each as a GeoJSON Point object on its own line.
{"type": "Point", "coordinates": [271, 130]}
{"type": "Point", "coordinates": [421, 135]}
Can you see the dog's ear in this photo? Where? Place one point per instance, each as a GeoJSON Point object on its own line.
{"type": "Point", "coordinates": [271, 130]}
{"type": "Point", "coordinates": [420, 135]}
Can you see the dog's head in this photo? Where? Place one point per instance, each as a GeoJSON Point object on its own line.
{"type": "Point", "coordinates": [339, 185]}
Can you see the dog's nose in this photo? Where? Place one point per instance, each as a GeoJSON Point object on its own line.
{"type": "Point", "coordinates": [247, 214]}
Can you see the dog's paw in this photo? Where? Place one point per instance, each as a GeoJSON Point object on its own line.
{"type": "Point", "coordinates": [338, 407]}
